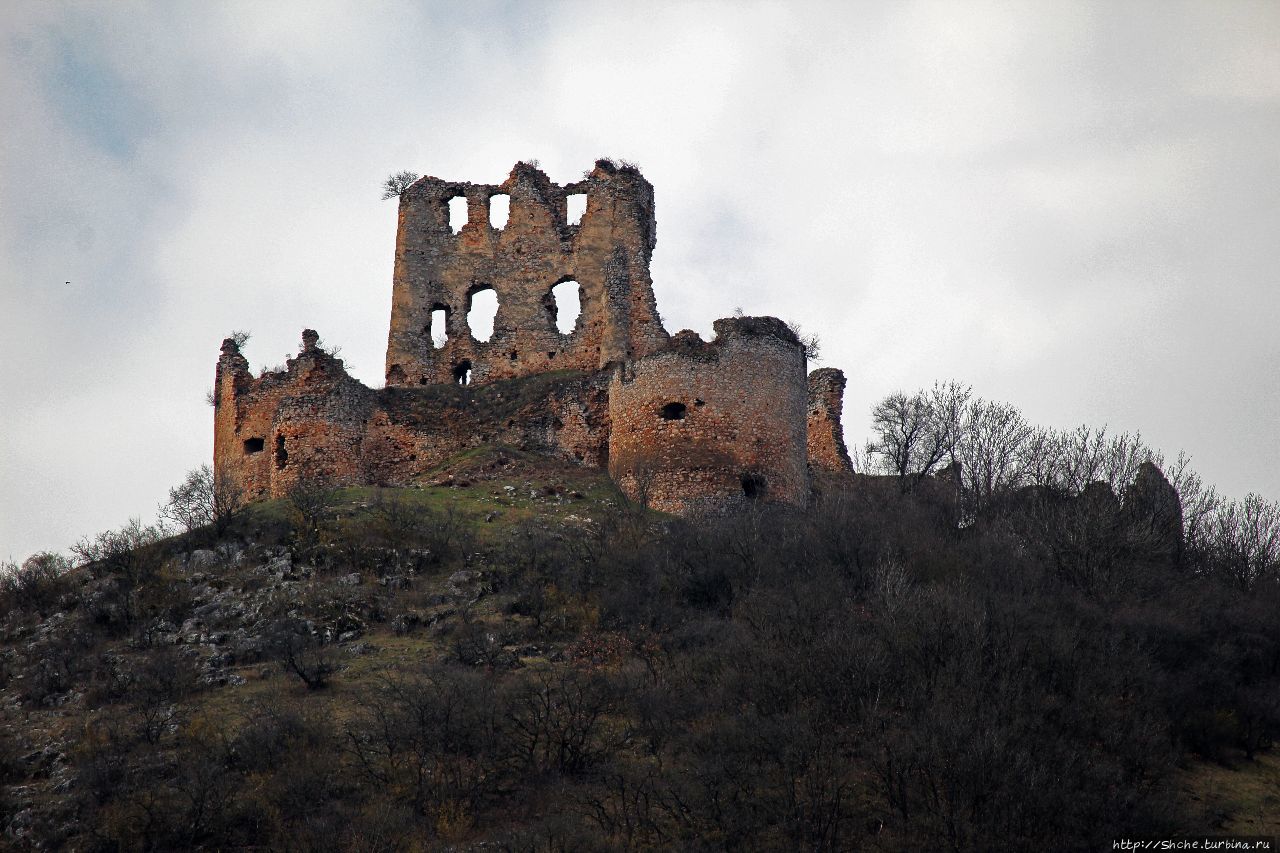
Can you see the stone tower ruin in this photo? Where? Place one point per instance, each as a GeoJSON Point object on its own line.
{"type": "Point", "coordinates": [682, 424]}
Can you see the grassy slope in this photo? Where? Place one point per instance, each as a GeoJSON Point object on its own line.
{"type": "Point", "coordinates": [1243, 799]}
{"type": "Point", "coordinates": [495, 490]}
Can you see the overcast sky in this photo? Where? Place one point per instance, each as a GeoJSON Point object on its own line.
{"type": "Point", "coordinates": [1073, 207]}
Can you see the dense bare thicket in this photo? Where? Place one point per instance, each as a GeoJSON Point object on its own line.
{"type": "Point", "coordinates": [865, 675]}
{"type": "Point", "coordinates": [35, 585]}
{"type": "Point", "coordinates": [999, 456]}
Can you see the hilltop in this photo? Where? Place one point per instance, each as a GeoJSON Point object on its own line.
{"type": "Point", "coordinates": [514, 657]}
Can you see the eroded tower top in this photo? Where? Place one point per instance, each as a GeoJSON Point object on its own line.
{"type": "Point", "coordinates": [439, 270]}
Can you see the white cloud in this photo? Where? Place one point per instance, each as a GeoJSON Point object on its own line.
{"type": "Point", "coordinates": [1072, 206]}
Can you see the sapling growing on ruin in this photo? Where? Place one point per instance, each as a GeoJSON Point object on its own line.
{"type": "Point", "coordinates": [809, 340]}
{"type": "Point", "coordinates": [396, 183]}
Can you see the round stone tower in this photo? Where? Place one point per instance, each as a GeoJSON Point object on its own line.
{"type": "Point", "coordinates": [705, 426]}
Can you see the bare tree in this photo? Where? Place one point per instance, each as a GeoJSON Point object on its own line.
{"type": "Point", "coordinates": [396, 183]}
{"type": "Point", "coordinates": [902, 427]}
{"type": "Point", "coordinates": [204, 498]}
{"type": "Point", "coordinates": [915, 434]}
{"type": "Point", "coordinates": [1067, 461]}
{"type": "Point", "coordinates": [990, 449]}
{"type": "Point", "coordinates": [1245, 541]}
{"type": "Point", "coordinates": [1199, 502]}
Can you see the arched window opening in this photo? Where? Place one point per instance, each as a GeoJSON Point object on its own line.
{"type": "Point", "coordinates": [566, 305]}
{"type": "Point", "coordinates": [438, 327]}
{"type": "Point", "coordinates": [462, 372]}
{"type": "Point", "coordinates": [576, 205]}
{"type": "Point", "coordinates": [457, 213]}
{"type": "Point", "coordinates": [499, 210]}
{"type": "Point", "coordinates": [482, 310]}
{"type": "Point", "coordinates": [674, 411]}
{"type": "Point", "coordinates": [254, 445]}
{"type": "Point", "coordinates": [753, 486]}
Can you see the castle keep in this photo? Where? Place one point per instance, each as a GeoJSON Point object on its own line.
{"type": "Point", "coordinates": [683, 424]}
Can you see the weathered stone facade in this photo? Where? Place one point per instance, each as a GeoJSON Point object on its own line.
{"type": "Point", "coordinates": [607, 254]}
{"type": "Point", "coordinates": [688, 433]}
{"type": "Point", "coordinates": [683, 424]}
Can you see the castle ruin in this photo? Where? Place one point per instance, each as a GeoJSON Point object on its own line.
{"type": "Point", "coordinates": [683, 424]}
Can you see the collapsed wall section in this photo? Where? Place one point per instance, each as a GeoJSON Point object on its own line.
{"type": "Point", "coordinates": [307, 420]}
{"type": "Point", "coordinates": [827, 451]}
{"type": "Point", "coordinates": [438, 271]}
{"type": "Point", "coordinates": [314, 421]}
{"type": "Point", "coordinates": [703, 427]}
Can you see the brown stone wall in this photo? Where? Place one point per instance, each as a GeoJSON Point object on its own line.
{"type": "Point", "coordinates": [607, 253]}
{"type": "Point", "coordinates": [827, 451]}
{"type": "Point", "coordinates": [680, 423]}
{"type": "Point", "coordinates": [414, 430]}
{"type": "Point", "coordinates": [704, 426]}
{"type": "Point", "coordinates": [314, 420]}
{"type": "Point", "coordinates": [309, 418]}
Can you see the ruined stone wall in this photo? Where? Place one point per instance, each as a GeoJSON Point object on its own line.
{"type": "Point", "coordinates": [680, 423]}
{"type": "Point", "coordinates": [706, 426]}
{"type": "Point", "coordinates": [414, 430]}
{"type": "Point", "coordinates": [309, 418]}
{"type": "Point", "coordinates": [827, 451]}
{"type": "Point", "coordinates": [314, 420]}
{"type": "Point", "coordinates": [607, 254]}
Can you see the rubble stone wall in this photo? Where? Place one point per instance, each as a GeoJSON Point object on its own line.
{"type": "Point", "coordinates": [313, 420]}
{"type": "Point", "coordinates": [707, 426]}
{"type": "Point", "coordinates": [827, 451]}
{"type": "Point", "coordinates": [607, 253]}
{"type": "Point", "coordinates": [682, 424]}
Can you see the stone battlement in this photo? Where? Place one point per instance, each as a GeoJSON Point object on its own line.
{"type": "Point", "coordinates": [680, 423]}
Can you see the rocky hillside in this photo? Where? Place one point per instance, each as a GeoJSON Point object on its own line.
{"type": "Point", "coordinates": [513, 658]}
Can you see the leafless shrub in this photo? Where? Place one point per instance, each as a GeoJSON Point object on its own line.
{"type": "Point", "coordinates": [203, 499]}
{"type": "Point", "coordinates": [810, 342]}
{"type": "Point", "coordinates": [34, 585]}
{"type": "Point", "coordinates": [302, 651]}
{"type": "Point", "coordinates": [396, 183]}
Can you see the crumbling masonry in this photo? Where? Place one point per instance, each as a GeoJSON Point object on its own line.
{"type": "Point", "coordinates": [682, 424]}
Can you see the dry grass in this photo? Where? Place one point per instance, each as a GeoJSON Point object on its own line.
{"type": "Point", "coordinates": [1243, 799]}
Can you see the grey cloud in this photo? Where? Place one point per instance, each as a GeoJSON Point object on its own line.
{"type": "Point", "coordinates": [1071, 206]}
